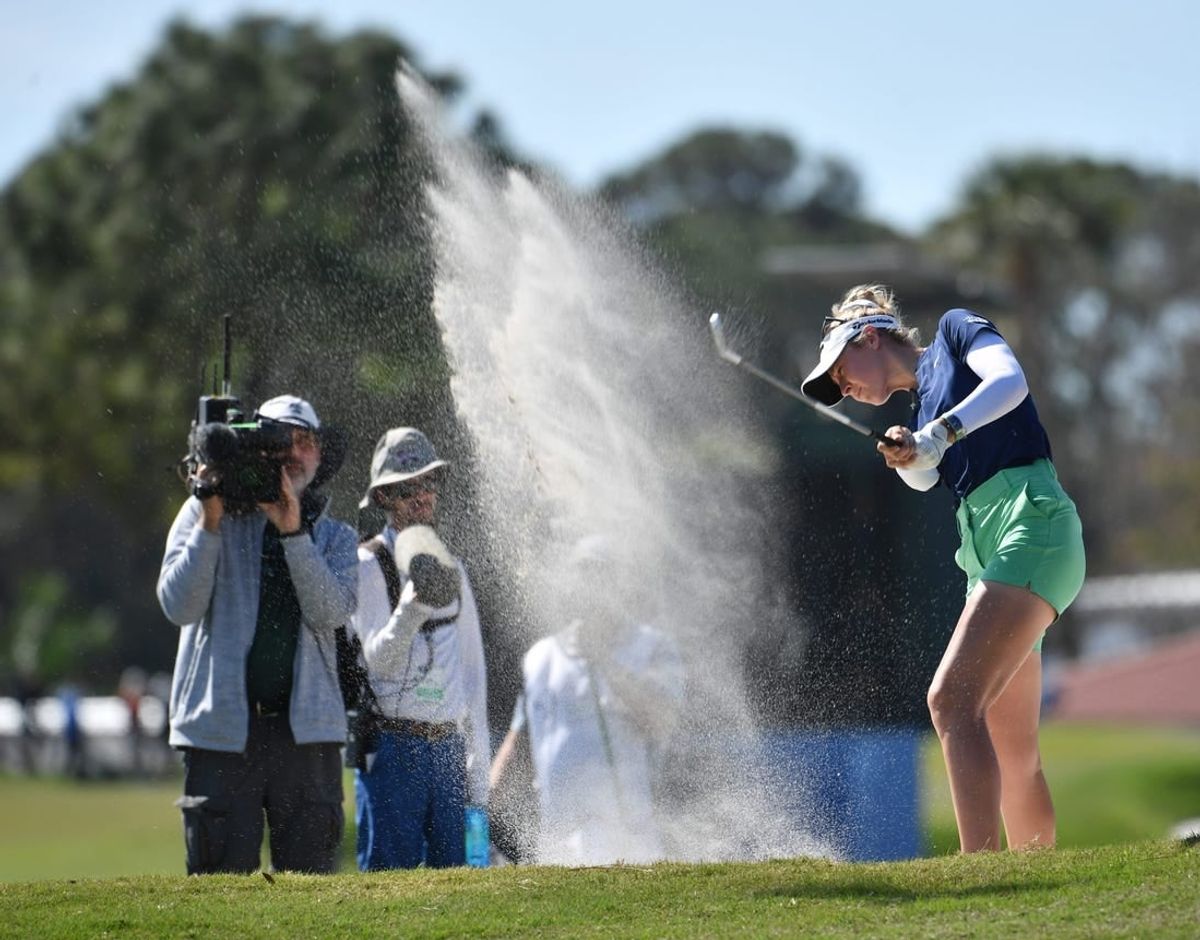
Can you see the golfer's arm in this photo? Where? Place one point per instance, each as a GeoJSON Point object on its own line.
{"type": "Point", "coordinates": [919, 479]}
{"type": "Point", "coordinates": [1001, 387]}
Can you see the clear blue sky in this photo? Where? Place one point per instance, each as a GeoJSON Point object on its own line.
{"type": "Point", "coordinates": [914, 95]}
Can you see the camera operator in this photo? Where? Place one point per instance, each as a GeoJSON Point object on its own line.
{"type": "Point", "coordinates": [255, 704]}
{"type": "Point", "coordinates": [424, 652]}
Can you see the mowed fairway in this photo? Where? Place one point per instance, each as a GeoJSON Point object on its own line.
{"type": "Point", "coordinates": [1110, 784]}
{"type": "Point", "coordinates": [1117, 791]}
{"type": "Point", "coordinates": [1145, 890]}
{"type": "Point", "coordinates": [56, 828]}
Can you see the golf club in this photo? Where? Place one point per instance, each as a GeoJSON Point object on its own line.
{"type": "Point", "coordinates": [723, 350]}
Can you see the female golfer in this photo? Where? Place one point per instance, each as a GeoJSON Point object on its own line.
{"type": "Point", "coordinates": [977, 430]}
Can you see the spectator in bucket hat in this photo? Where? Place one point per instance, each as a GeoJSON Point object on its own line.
{"type": "Point", "coordinates": [401, 454]}
{"type": "Point", "coordinates": [423, 648]}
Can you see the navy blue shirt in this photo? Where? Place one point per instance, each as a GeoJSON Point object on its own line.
{"type": "Point", "coordinates": [943, 380]}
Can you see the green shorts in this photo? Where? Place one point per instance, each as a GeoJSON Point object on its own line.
{"type": "Point", "coordinates": [1019, 527]}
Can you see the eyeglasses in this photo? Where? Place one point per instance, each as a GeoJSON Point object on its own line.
{"type": "Point", "coordinates": [394, 492]}
{"type": "Point", "coordinates": [830, 322]}
{"type": "Point", "coordinates": [304, 439]}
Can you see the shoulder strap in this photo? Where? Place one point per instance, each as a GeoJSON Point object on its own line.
{"type": "Point", "coordinates": [432, 624]}
{"type": "Point", "coordinates": [391, 575]}
{"type": "Point", "coordinates": [351, 668]}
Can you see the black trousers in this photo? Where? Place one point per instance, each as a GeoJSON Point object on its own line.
{"type": "Point", "coordinates": [297, 787]}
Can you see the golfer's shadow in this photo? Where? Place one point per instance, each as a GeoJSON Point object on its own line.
{"type": "Point", "coordinates": [871, 889]}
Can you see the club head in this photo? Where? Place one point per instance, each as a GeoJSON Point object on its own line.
{"type": "Point", "coordinates": [718, 334]}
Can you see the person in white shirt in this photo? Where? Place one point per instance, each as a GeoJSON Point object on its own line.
{"type": "Point", "coordinates": [423, 648]}
{"type": "Point", "coordinates": [600, 699]}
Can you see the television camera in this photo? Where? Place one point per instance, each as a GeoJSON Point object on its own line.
{"type": "Point", "coordinates": [245, 455]}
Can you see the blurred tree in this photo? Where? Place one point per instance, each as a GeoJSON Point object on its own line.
{"type": "Point", "coordinates": [267, 171]}
{"type": "Point", "coordinates": [712, 204]}
{"type": "Point", "coordinates": [1103, 264]}
{"type": "Point", "coordinates": [715, 205]}
{"type": "Point", "coordinates": [715, 169]}
{"type": "Point", "coordinates": [49, 638]}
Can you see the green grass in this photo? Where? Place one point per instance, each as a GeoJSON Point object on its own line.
{"type": "Point", "coordinates": [1109, 784]}
{"type": "Point", "coordinates": [57, 828]}
{"type": "Point", "coordinates": [51, 827]}
{"type": "Point", "coordinates": [1147, 889]}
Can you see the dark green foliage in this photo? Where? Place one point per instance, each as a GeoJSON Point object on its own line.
{"type": "Point", "coordinates": [713, 169]}
{"type": "Point", "coordinates": [715, 203]}
{"type": "Point", "coordinates": [1089, 267]}
{"type": "Point", "coordinates": [1099, 262]}
{"type": "Point", "coordinates": [267, 172]}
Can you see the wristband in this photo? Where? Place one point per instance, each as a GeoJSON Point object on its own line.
{"type": "Point", "coordinates": [954, 426]}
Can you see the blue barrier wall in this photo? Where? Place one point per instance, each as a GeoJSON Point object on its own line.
{"type": "Point", "coordinates": [857, 789]}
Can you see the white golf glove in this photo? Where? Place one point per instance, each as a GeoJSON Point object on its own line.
{"type": "Point", "coordinates": [931, 443]}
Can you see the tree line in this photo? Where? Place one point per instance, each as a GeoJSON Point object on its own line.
{"type": "Point", "coordinates": [267, 171]}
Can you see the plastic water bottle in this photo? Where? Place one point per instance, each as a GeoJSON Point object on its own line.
{"type": "Point", "coordinates": [478, 838]}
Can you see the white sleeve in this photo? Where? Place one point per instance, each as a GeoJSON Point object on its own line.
{"type": "Point", "coordinates": [386, 634]}
{"type": "Point", "coordinates": [1002, 383]}
{"type": "Point", "coordinates": [478, 737]}
{"type": "Point", "coordinates": [919, 479]}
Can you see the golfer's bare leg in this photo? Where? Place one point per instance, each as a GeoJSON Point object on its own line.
{"type": "Point", "coordinates": [1012, 721]}
{"type": "Point", "coordinates": [995, 632]}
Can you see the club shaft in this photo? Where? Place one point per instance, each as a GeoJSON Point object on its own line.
{"type": "Point", "coordinates": [815, 405]}
{"type": "Point", "coordinates": [729, 355]}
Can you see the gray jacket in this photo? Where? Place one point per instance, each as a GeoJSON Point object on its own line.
{"type": "Point", "coordinates": [209, 586]}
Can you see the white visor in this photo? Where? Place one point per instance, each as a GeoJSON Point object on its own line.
{"type": "Point", "coordinates": [819, 385]}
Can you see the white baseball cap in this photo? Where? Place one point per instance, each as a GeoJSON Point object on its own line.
{"type": "Point", "coordinates": [289, 409]}
{"type": "Point", "coordinates": [819, 385]}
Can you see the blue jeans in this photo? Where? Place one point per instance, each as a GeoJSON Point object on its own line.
{"type": "Point", "coordinates": [410, 806]}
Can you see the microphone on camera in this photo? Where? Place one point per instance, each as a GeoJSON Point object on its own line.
{"type": "Point", "coordinates": [216, 443]}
